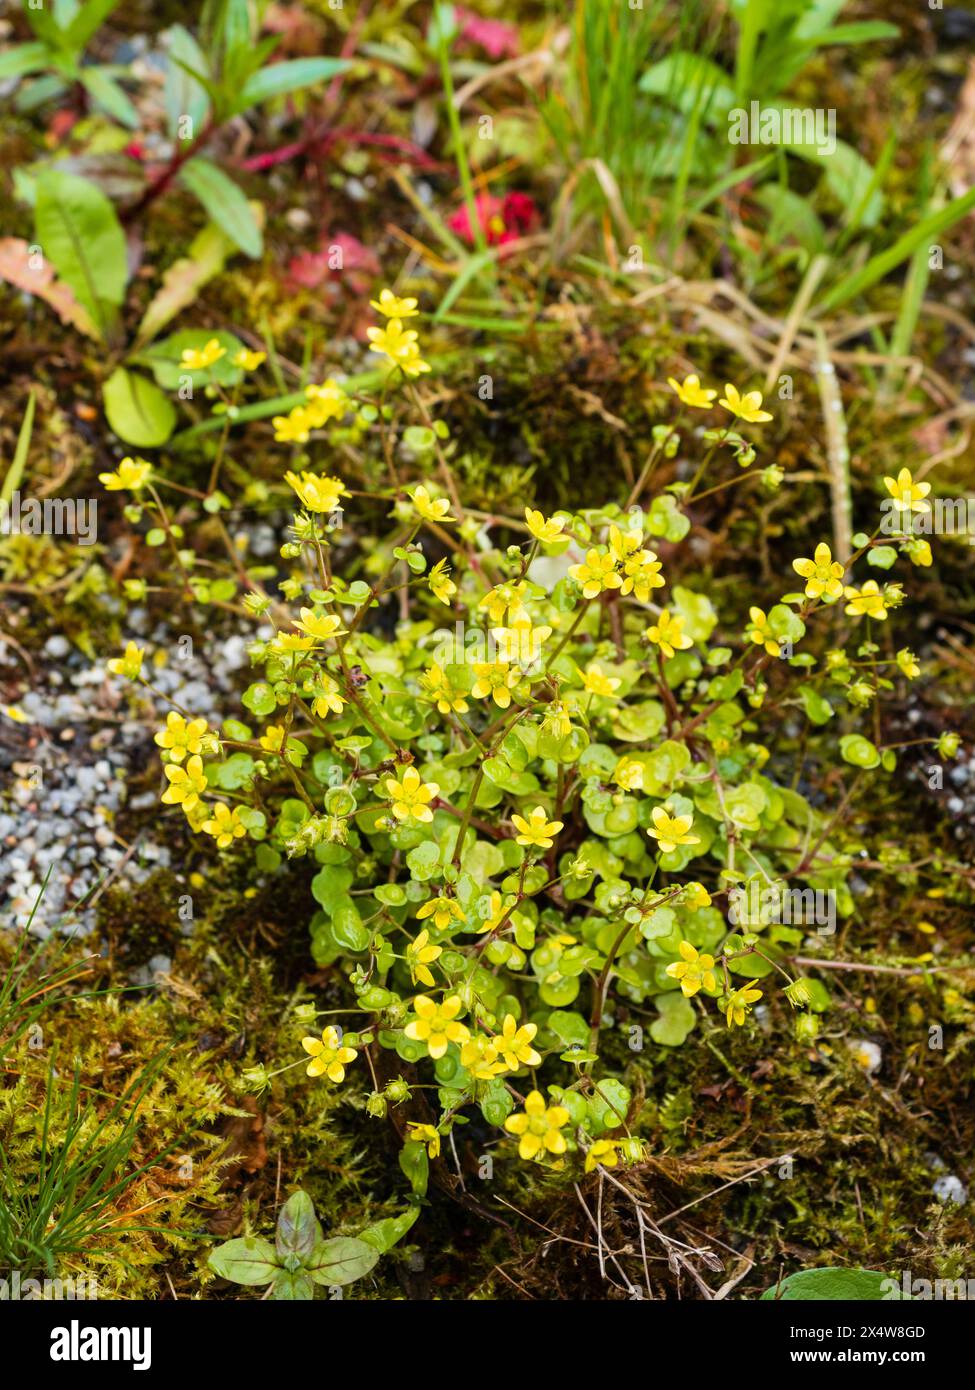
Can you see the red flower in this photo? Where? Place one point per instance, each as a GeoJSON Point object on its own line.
{"type": "Point", "coordinates": [502, 220]}
{"type": "Point", "coordinates": [497, 39]}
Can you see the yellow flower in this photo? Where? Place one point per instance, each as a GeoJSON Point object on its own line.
{"type": "Point", "coordinates": [497, 908]}
{"type": "Point", "coordinates": [321, 626]}
{"type": "Point", "coordinates": [328, 1057]}
{"type": "Point", "coordinates": [131, 475]}
{"type": "Point", "coordinates": [919, 551]}
{"type": "Point", "coordinates": [496, 679]}
{"type": "Point", "coordinates": [623, 543]}
{"type": "Point", "coordinates": [325, 402]}
{"type": "Point", "coordinates": [596, 682]}
{"type": "Point", "coordinates": [557, 721]}
{"type": "Point", "coordinates": [520, 643]}
{"type": "Point", "coordinates": [695, 896]}
{"type": "Point", "coordinates": [544, 531]}
{"type": "Point", "coordinates": [537, 831]}
{"type": "Point", "coordinates": [505, 598]}
{"type": "Point", "coordinates": [424, 1134]}
{"type": "Point", "coordinates": [429, 508]}
{"type": "Point", "coordinates": [671, 831]}
{"type": "Point", "coordinates": [399, 344]}
{"type": "Point", "coordinates": [739, 1002]}
{"type": "Point", "coordinates": [907, 494]}
{"type": "Point", "coordinates": [866, 602]}
{"type": "Point", "coordinates": [692, 393]}
{"type": "Point", "coordinates": [480, 1057]}
{"type": "Point", "coordinates": [185, 783]}
{"type": "Point", "coordinates": [539, 1127]}
{"type": "Point", "coordinates": [225, 825]}
{"type": "Point", "coordinates": [411, 795]}
{"type": "Point", "coordinates": [197, 359]}
{"type": "Point", "coordinates": [514, 1044]}
{"type": "Point", "coordinates": [327, 698]}
{"type": "Point", "coordinates": [293, 428]}
{"type": "Point", "coordinates": [247, 360]}
{"type": "Point", "coordinates": [596, 574]}
{"type": "Point", "coordinates": [420, 954]}
{"type": "Point", "coordinates": [444, 912]}
{"type": "Point", "coordinates": [129, 664]}
{"type": "Point", "coordinates": [448, 698]}
{"type": "Point", "coordinates": [602, 1152]}
{"type": "Point", "coordinates": [435, 1024]}
{"type": "Point", "coordinates": [393, 307]}
{"type": "Point", "coordinates": [746, 407]}
{"type": "Point", "coordinates": [758, 631]}
{"type": "Point", "coordinates": [629, 774]}
{"type": "Point", "coordinates": [641, 574]}
{"type": "Point", "coordinates": [693, 970]}
{"type": "Point", "coordinates": [272, 739]}
{"type": "Point", "coordinates": [316, 494]}
{"type": "Point", "coordinates": [286, 642]}
{"type": "Point", "coordinates": [668, 634]}
{"type": "Point", "coordinates": [179, 737]}
{"type": "Point", "coordinates": [441, 584]}
{"type": "Point", "coordinates": [823, 574]}
{"type": "Point", "coordinates": [907, 662]}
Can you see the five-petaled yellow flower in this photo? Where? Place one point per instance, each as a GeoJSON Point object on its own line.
{"type": "Point", "coordinates": [758, 631]}
{"type": "Point", "coordinates": [444, 911]}
{"type": "Point", "coordinates": [907, 662]}
{"type": "Point", "coordinates": [823, 574]}
{"type": "Point", "coordinates": [514, 1044]}
{"type": "Point", "coordinates": [447, 696]}
{"type": "Point", "coordinates": [641, 574]}
{"type": "Point", "coordinates": [671, 831]}
{"type": "Point", "coordinates": [411, 796]}
{"type": "Point", "coordinates": [328, 1057]}
{"type": "Point", "coordinates": [539, 1127]}
{"type": "Point", "coordinates": [505, 598]}
{"type": "Point", "coordinates": [420, 953]}
{"type": "Point", "coordinates": [181, 737]}
{"type": "Point", "coordinates": [537, 831]}
{"type": "Point", "coordinates": [293, 428]}
{"type": "Point", "coordinates": [424, 1134]}
{"type": "Point", "coordinates": [598, 572]}
{"type": "Point", "coordinates": [197, 359]}
{"type": "Point", "coordinates": [907, 494]}
{"type": "Point", "coordinates": [668, 634]}
{"type": "Point", "coordinates": [436, 1025]}
{"type": "Point", "coordinates": [431, 509]}
{"type": "Point", "coordinates": [694, 969]}
{"type": "Point", "coordinates": [224, 824]}
{"type": "Point", "coordinates": [316, 494]}
{"type": "Point", "coordinates": [400, 345]}
{"type": "Point", "coordinates": [328, 699]}
{"type": "Point", "coordinates": [544, 531]}
{"type": "Point", "coordinates": [496, 679]}
{"type": "Point", "coordinates": [321, 626]}
{"type": "Point", "coordinates": [480, 1056]}
{"type": "Point", "coordinates": [739, 1003]}
{"type": "Point", "coordinates": [249, 361]}
{"type": "Point", "coordinates": [628, 774]}
{"type": "Point", "coordinates": [185, 783]}
{"type": "Point", "coordinates": [602, 1153]}
{"type": "Point", "coordinates": [441, 584]}
{"type": "Point", "coordinates": [744, 407]}
{"type": "Point", "coordinates": [131, 475]}
{"type": "Point", "coordinates": [393, 307]}
{"type": "Point", "coordinates": [596, 682]}
{"type": "Point", "coordinates": [129, 664]}
{"type": "Point", "coordinates": [867, 601]}
{"type": "Point", "coordinates": [692, 393]}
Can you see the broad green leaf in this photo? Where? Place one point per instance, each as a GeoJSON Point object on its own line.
{"type": "Point", "coordinates": [859, 751]}
{"type": "Point", "coordinates": [341, 1260]}
{"type": "Point", "coordinates": [25, 58]}
{"type": "Point", "coordinates": [224, 203]}
{"type": "Point", "coordinates": [107, 94]}
{"type": "Point", "coordinates": [184, 279]}
{"type": "Point", "coordinates": [185, 96]}
{"type": "Point", "coordinates": [137, 410]}
{"type": "Point", "coordinates": [677, 1018]}
{"type": "Point", "coordinates": [249, 1260]}
{"type": "Point", "coordinates": [822, 1285]}
{"type": "Point", "coordinates": [293, 1287]}
{"type": "Point", "coordinates": [383, 1235]}
{"type": "Point", "coordinates": [279, 78]}
{"type": "Point", "coordinates": [89, 19]}
{"type": "Point", "coordinates": [298, 1231]}
{"type": "Point", "coordinates": [77, 230]}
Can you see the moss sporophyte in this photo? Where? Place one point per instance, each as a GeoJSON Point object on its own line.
{"type": "Point", "coordinates": [522, 836]}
